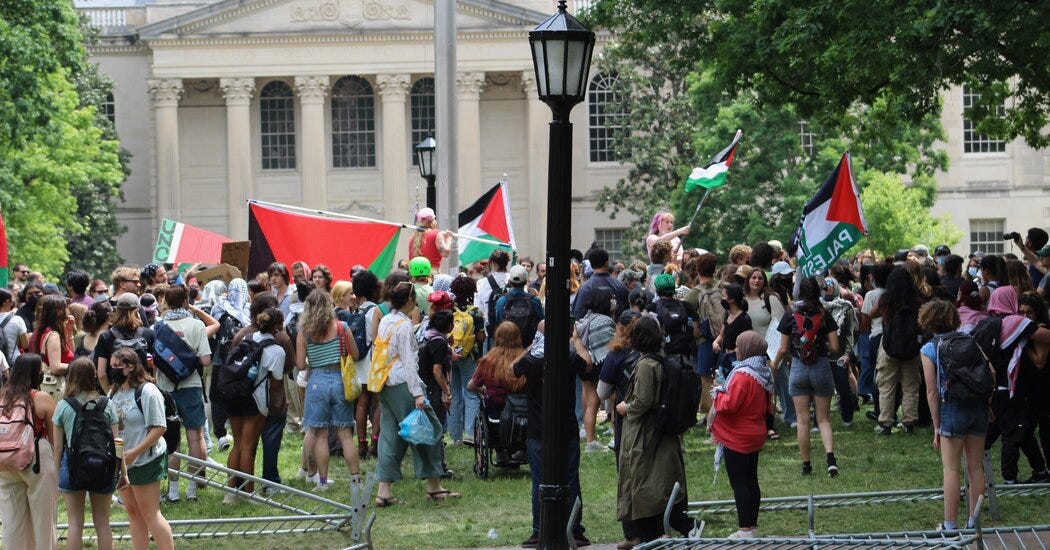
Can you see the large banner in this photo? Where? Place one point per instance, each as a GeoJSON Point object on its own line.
{"type": "Point", "coordinates": [179, 243]}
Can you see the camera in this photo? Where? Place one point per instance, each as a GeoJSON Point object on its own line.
{"type": "Point", "coordinates": [1015, 236]}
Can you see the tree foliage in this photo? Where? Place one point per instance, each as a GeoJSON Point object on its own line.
{"type": "Point", "coordinates": [898, 217]}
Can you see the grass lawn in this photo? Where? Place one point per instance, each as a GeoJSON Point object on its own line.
{"type": "Point", "coordinates": [868, 462]}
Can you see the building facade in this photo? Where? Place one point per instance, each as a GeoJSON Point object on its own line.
{"type": "Point", "coordinates": [319, 103]}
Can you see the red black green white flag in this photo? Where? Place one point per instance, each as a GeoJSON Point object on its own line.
{"type": "Point", "coordinates": [286, 236]}
{"type": "Point", "coordinates": [180, 243]}
{"type": "Point", "coordinates": [832, 222]}
{"type": "Point", "coordinates": [713, 174]}
{"type": "Point", "coordinates": [488, 219]}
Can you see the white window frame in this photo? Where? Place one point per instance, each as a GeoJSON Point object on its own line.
{"type": "Point", "coordinates": [986, 235]}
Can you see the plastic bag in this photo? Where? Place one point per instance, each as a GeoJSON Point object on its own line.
{"type": "Point", "coordinates": [418, 429]}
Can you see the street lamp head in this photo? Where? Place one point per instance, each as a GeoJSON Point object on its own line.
{"type": "Point", "coordinates": [561, 55]}
{"type": "Point", "coordinates": [425, 157]}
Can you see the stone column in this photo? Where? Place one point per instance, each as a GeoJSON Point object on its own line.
{"type": "Point", "coordinates": [537, 122]}
{"type": "Point", "coordinates": [165, 95]}
{"type": "Point", "coordinates": [468, 95]}
{"type": "Point", "coordinates": [393, 89]}
{"type": "Point", "coordinates": [314, 167]}
{"type": "Point", "coordinates": [239, 187]}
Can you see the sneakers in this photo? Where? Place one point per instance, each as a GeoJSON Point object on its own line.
{"type": "Point", "coordinates": [531, 542]}
{"type": "Point", "coordinates": [301, 475]}
{"type": "Point", "coordinates": [697, 531]}
{"type": "Point", "coordinates": [581, 540]}
{"type": "Point", "coordinates": [883, 430]}
{"type": "Point", "coordinates": [833, 470]}
{"type": "Point", "coordinates": [1009, 482]}
{"type": "Point", "coordinates": [807, 469]}
{"type": "Point", "coordinates": [230, 498]}
{"type": "Point", "coordinates": [742, 534]}
{"type": "Point", "coordinates": [909, 428]}
{"type": "Point", "coordinates": [872, 416]}
{"type": "Point", "coordinates": [321, 487]}
{"type": "Point", "coordinates": [1038, 477]}
{"type": "Point", "coordinates": [847, 424]}
{"type": "Point", "coordinates": [595, 447]}
{"type": "Point", "coordinates": [628, 544]}
{"type": "Point", "coordinates": [225, 442]}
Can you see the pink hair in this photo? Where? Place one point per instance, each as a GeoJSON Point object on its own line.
{"type": "Point", "coordinates": [654, 225]}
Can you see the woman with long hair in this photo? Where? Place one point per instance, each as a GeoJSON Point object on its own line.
{"type": "Point", "coordinates": [321, 277]}
{"type": "Point", "coordinates": [53, 340]}
{"type": "Point", "coordinates": [764, 308]}
{"type": "Point", "coordinates": [318, 349]}
{"type": "Point", "coordinates": [809, 335]}
{"type": "Point", "coordinates": [993, 275]}
{"type": "Point", "coordinates": [468, 340]}
{"type": "Point", "coordinates": [1018, 277]}
{"type": "Point", "coordinates": [28, 497]}
{"type": "Point", "coordinates": [248, 416]}
{"type": "Point", "coordinates": [402, 391]}
{"type": "Point", "coordinates": [661, 229]}
{"type": "Point", "coordinates": [735, 322]}
{"type": "Point", "coordinates": [494, 378]}
{"type": "Point", "coordinates": [971, 310]}
{"type": "Point", "coordinates": [125, 326]}
{"type": "Point", "coordinates": [429, 241]}
{"type": "Point", "coordinates": [140, 417]}
{"type": "Point", "coordinates": [899, 308]}
{"type": "Point", "coordinates": [366, 289]}
{"type": "Point", "coordinates": [844, 313]}
{"type": "Point", "coordinates": [96, 322]}
{"type": "Point", "coordinates": [81, 382]}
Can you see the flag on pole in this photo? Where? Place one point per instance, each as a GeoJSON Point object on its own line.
{"type": "Point", "coordinates": [285, 236]}
{"type": "Point", "coordinates": [832, 222]}
{"type": "Point", "coordinates": [180, 243]}
{"type": "Point", "coordinates": [5, 270]}
{"type": "Point", "coordinates": [714, 173]}
{"type": "Point", "coordinates": [488, 218]}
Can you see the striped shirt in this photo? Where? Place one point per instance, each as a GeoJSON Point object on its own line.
{"type": "Point", "coordinates": [323, 354]}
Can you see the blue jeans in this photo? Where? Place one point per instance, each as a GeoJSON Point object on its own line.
{"type": "Point", "coordinates": [780, 385]}
{"type": "Point", "coordinates": [272, 434]}
{"type": "Point", "coordinates": [572, 462]}
{"type": "Point", "coordinates": [465, 403]}
{"type": "Point", "coordinates": [866, 382]}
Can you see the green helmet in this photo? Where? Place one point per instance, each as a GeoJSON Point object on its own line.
{"type": "Point", "coordinates": [419, 267]}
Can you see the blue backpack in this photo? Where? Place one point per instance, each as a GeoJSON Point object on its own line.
{"type": "Point", "coordinates": [172, 355]}
{"type": "Point", "coordinates": [357, 321]}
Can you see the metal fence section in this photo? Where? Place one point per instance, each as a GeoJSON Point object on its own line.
{"type": "Point", "coordinates": [803, 544]}
{"type": "Point", "coordinates": [280, 509]}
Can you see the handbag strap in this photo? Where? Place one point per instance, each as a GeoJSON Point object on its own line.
{"type": "Point", "coordinates": [344, 347]}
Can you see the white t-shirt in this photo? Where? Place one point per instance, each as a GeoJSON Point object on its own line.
{"type": "Point", "coordinates": [871, 303]}
{"type": "Point", "coordinates": [272, 363]}
{"type": "Point", "coordinates": [191, 330]}
{"type": "Point", "coordinates": [481, 297]}
{"type": "Point", "coordinates": [365, 361]}
{"type": "Point", "coordinates": [134, 425]}
{"type": "Point", "coordinates": [12, 330]}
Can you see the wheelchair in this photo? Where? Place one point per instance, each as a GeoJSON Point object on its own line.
{"type": "Point", "coordinates": [500, 438]}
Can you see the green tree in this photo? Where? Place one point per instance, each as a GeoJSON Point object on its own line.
{"type": "Point", "coordinates": [898, 217]}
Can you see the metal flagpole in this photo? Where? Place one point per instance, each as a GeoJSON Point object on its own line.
{"type": "Point", "coordinates": [707, 192]}
{"type": "Point", "coordinates": [373, 220]}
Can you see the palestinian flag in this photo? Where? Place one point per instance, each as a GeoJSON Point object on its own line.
{"type": "Point", "coordinates": [285, 236]}
{"type": "Point", "coordinates": [714, 173]}
{"type": "Point", "coordinates": [179, 243]}
{"type": "Point", "coordinates": [488, 218]}
{"type": "Point", "coordinates": [5, 270]}
{"type": "Point", "coordinates": [832, 222]}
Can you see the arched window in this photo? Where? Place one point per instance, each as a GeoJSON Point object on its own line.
{"type": "Point", "coordinates": [353, 123]}
{"type": "Point", "coordinates": [277, 114]}
{"type": "Point", "coordinates": [606, 115]}
{"type": "Point", "coordinates": [421, 100]}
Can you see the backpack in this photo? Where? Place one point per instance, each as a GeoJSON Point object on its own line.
{"type": "Point", "coordinates": [357, 321]}
{"type": "Point", "coordinates": [229, 326]}
{"type": "Point", "coordinates": [18, 440]}
{"type": "Point", "coordinates": [804, 339]}
{"type": "Point", "coordinates": [679, 396]}
{"type": "Point", "coordinates": [514, 421]}
{"type": "Point", "coordinates": [497, 291]}
{"type": "Point", "coordinates": [901, 335]}
{"type": "Point", "coordinates": [3, 337]}
{"type": "Point", "coordinates": [967, 377]}
{"type": "Point", "coordinates": [172, 355]}
{"type": "Point", "coordinates": [236, 381]}
{"type": "Point", "coordinates": [137, 343]}
{"type": "Point", "coordinates": [710, 311]}
{"type": "Point", "coordinates": [381, 360]}
{"type": "Point", "coordinates": [517, 308]}
{"type": "Point", "coordinates": [986, 335]}
{"type": "Point", "coordinates": [674, 320]}
{"type": "Point", "coordinates": [171, 408]}
{"type": "Point", "coordinates": [92, 454]}
{"type": "Point", "coordinates": [464, 333]}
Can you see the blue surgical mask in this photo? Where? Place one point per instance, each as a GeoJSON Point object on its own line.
{"type": "Point", "coordinates": [972, 271]}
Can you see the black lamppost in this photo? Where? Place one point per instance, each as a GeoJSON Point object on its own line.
{"type": "Point", "coordinates": [425, 159]}
{"type": "Point", "coordinates": [561, 55]}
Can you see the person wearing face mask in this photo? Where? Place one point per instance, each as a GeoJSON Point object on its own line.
{"type": "Point", "coordinates": [842, 367]}
{"type": "Point", "coordinates": [30, 294]}
{"type": "Point", "coordinates": [735, 322]}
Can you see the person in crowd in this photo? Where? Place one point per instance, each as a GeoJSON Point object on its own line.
{"type": "Point", "coordinates": [277, 276]}
{"type": "Point", "coordinates": [494, 377]}
{"type": "Point", "coordinates": [248, 417]}
{"type": "Point", "coordinates": [738, 424]}
{"type": "Point", "coordinates": [77, 282]}
{"type": "Point", "coordinates": [782, 285]}
{"type": "Point", "coordinates": [435, 363]}
{"type": "Point", "coordinates": [742, 274]}
{"type": "Point", "coordinates": [420, 270]}
{"type": "Point", "coordinates": [591, 336]}
{"type": "Point", "coordinates": [844, 313]}
{"type": "Point", "coordinates": [1017, 276]}
{"type": "Point", "coordinates": [12, 328]}
{"type": "Point", "coordinates": [601, 278]}
{"type": "Point", "coordinates": [428, 241]}
{"type": "Point", "coordinates": [231, 310]}
{"type": "Point", "coordinates": [402, 391]}
{"type": "Point", "coordinates": [468, 337]}
{"type": "Point", "coordinates": [211, 294]}
{"type": "Point", "coordinates": [971, 310]}
{"type": "Point", "coordinates": [321, 277]}
{"type": "Point", "coordinates": [318, 349]}
{"type": "Point", "coordinates": [53, 340]}
{"type": "Point", "coordinates": [659, 257]}
{"type": "Point", "coordinates": [81, 386]}
{"type": "Point", "coordinates": [490, 287]}
{"type": "Point", "coordinates": [870, 320]}
{"type": "Point", "coordinates": [153, 275]}
{"type": "Point", "coordinates": [31, 293]}
{"type": "Point", "coordinates": [28, 497]}
{"type": "Point", "coordinates": [1035, 385]}
{"type": "Point", "coordinates": [706, 298]}
{"type": "Point", "coordinates": [300, 271]}
{"type": "Point", "coordinates": [993, 275]}
{"type": "Point", "coordinates": [141, 420]}
{"type": "Point", "coordinates": [531, 365]}
{"type": "Point", "coordinates": [20, 273]}
{"type": "Point", "coordinates": [765, 310]}
{"type": "Point", "coordinates": [898, 358]}
{"type": "Point", "coordinates": [952, 277]}
{"type": "Point", "coordinates": [514, 294]}
{"type": "Point", "coordinates": [366, 291]}
{"type": "Point", "coordinates": [735, 322]}
{"type": "Point", "coordinates": [810, 336]}
{"type": "Point", "coordinates": [541, 274]}
{"type": "Point", "coordinates": [125, 329]}
{"type": "Point", "coordinates": [762, 256]}
{"type": "Point", "coordinates": [96, 322]}
{"type": "Point", "coordinates": [739, 255]}
{"type": "Point", "coordinates": [661, 229]}
{"type": "Point", "coordinates": [843, 274]}
{"type": "Point", "coordinates": [651, 461]}
{"type": "Point", "coordinates": [99, 290]}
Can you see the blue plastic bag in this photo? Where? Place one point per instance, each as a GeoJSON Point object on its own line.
{"type": "Point", "coordinates": [418, 429]}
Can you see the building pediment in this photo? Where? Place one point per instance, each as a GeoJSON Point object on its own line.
{"type": "Point", "coordinates": [299, 17]}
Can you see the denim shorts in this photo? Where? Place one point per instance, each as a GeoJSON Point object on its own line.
{"type": "Point", "coordinates": [960, 420]}
{"type": "Point", "coordinates": [191, 407]}
{"type": "Point", "coordinates": [66, 486]}
{"type": "Point", "coordinates": [706, 359]}
{"type": "Point", "coordinates": [325, 405]}
{"type": "Point", "coordinates": [808, 379]}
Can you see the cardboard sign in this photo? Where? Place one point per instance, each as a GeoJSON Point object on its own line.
{"type": "Point", "coordinates": [235, 253]}
{"type": "Point", "coordinates": [224, 272]}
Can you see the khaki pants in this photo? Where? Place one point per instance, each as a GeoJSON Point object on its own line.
{"type": "Point", "coordinates": [889, 371]}
{"type": "Point", "coordinates": [28, 504]}
{"type": "Point", "coordinates": [295, 404]}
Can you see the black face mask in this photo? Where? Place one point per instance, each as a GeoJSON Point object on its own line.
{"type": "Point", "coordinates": [725, 305]}
{"type": "Point", "coordinates": [31, 301]}
{"type": "Point", "coordinates": [118, 377]}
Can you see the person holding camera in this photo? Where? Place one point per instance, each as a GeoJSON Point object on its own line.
{"type": "Point", "coordinates": [1035, 251]}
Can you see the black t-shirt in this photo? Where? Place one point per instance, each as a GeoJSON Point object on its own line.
{"type": "Point", "coordinates": [618, 370]}
{"type": "Point", "coordinates": [104, 347]}
{"type": "Point", "coordinates": [827, 326]}
{"type": "Point", "coordinates": [434, 352]}
{"type": "Point", "coordinates": [741, 324]}
{"type": "Point", "coordinates": [532, 369]}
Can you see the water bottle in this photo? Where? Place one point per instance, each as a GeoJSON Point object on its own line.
{"type": "Point", "coordinates": [253, 371]}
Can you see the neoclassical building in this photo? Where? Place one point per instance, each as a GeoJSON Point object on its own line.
{"type": "Point", "coordinates": [319, 103]}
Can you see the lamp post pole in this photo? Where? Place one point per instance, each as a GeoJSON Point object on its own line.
{"type": "Point", "coordinates": [561, 53]}
{"type": "Point", "coordinates": [431, 193]}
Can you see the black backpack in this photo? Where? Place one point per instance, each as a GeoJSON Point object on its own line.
{"type": "Point", "coordinates": [967, 377]}
{"type": "Point", "coordinates": [679, 396]}
{"type": "Point", "coordinates": [234, 380]}
{"type": "Point", "coordinates": [517, 308]}
{"type": "Point", "coordinates": [229, 326]}
{"type": "Point", "coordinates": [92, 455]}
{"type": "Point", "coordinates": [674, 320]}
{"type": "Point", "coordinates": [137, 343]}
{"type": "Point", "coordinates": [986, 335]}
{"type": "Point", "coordinates": [514, 421]}
{"type": "Point", "coordinates": [171, 408]}
{"type": "Point", "coordinates": [901, 335]}
{"type": "Point", "coordinates": [497, 291]}
{"type": "Point", "coordinates": [357, 321]}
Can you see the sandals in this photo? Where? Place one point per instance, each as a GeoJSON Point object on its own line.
{"type": "Point", "coordinates": [388, 501]}
{"type": "Point", "coordinates": [772, 435]}
{"type": "Point", "coordinates": [444, 494]}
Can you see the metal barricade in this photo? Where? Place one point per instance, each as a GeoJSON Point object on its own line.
{"type": "Point", "coordinates": [802, 544]}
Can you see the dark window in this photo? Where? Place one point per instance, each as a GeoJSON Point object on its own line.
{"type": "Point", "coordinates": [606, 118]}
{"type": "Point", "coordinates": [421, 101]}
{"type": "Point", "coordinates": [353, 123]}
{"type": "Point", "coordinates": [277, 130]}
